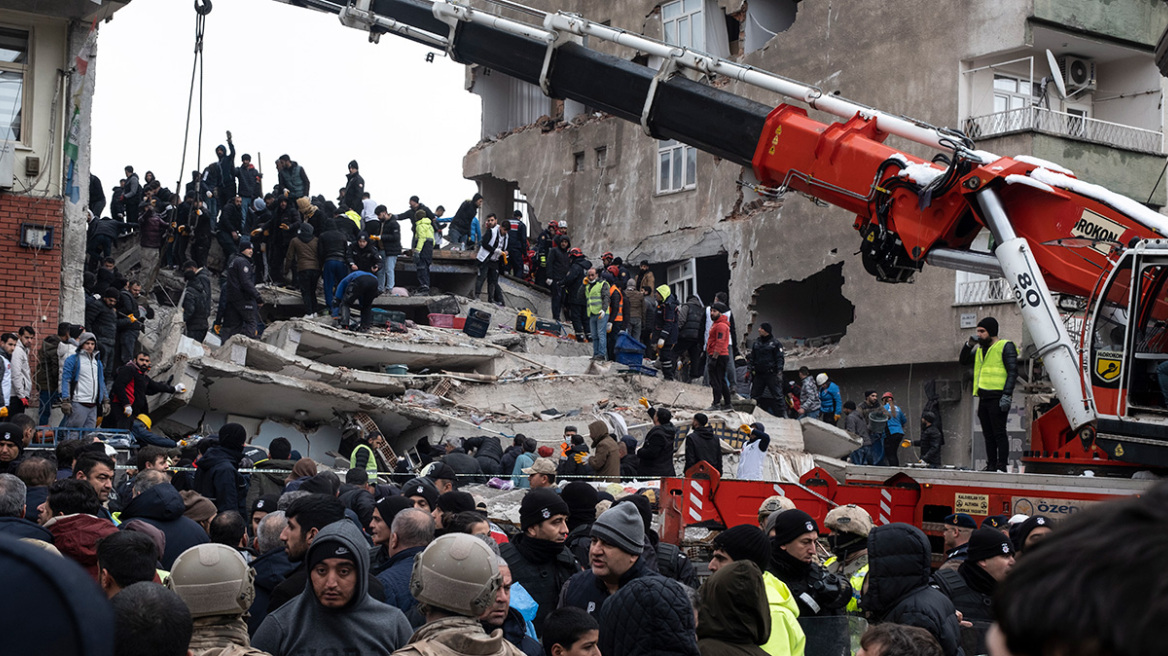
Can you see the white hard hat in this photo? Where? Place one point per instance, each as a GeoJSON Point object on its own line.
{"type": "Point", "coordinates": [821, 379]}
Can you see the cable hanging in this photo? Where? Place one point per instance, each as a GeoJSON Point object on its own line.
{"type": "Point", "coordinates": [202, 8]}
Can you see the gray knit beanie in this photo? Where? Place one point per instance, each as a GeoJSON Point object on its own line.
{"type": "Point", "coordinates": [622, 527]}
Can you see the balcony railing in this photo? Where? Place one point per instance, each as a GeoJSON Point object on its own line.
{"type": "Point", "coordinates": [1039, 119]}
{"type": "Point", "coordinates": [984, 292]}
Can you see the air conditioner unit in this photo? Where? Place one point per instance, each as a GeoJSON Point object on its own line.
{"type": "Point", "coordinates": [7, 163]}
{"type": "Point", "coordinates": [1078, 73]}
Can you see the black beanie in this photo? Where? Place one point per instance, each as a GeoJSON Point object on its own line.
{"type": "Point", "coordinates": [790, 524]}
{"type": "Point", "coordinates": [232, 436]}
{"type": "Point", "coordinates": [456, 502]}
{"type": "Point", "coordinates": [389, 507]}
{"type": "Point", "coordinates": [745, 542]}
{"type": "Point", "coordinates": [330, 549]}
{"type": "Point", "coordinates": [353, 164]}
{"type": "Point", "coordinates": [540, 505]}
{"type": "Point", "coordinates": [990, 324]}
{"type": "Point", "coordinates": [766, 328]}
{"type": "Point", "coordinates": [985, 543]}
{"type": "Point", "coordinates": [1027, 527]}
{"type": "Point", "coordinates": [581, 499]}
{"type": "Point", "coordinates": [421, 487]}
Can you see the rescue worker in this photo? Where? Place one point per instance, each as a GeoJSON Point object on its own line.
{"type": "Point", "coordinates": [516, 244]}
{"type": "Point", "coordinates": [958, 528]}
{"type": "Point", "coordinates": [766, 370]}
{"type": "Point", "coordinates": [596, 295]}
{"type": "Point", "coordinates": [818, 593]}
{"type": "Point", "coordinates": [702, 445]}
{"type": "Point", "coordinates": [665, 331]}
{"type": "Point", "coordinates": [771, 505]}
{"type": "Point", "coordinates": [690, 323]}
{"type": "Point", "coordinates": [616, 317]}
{"type": "Point", "coordinates": [848, 542]}
{"type": "Point", "coordinates": [423, 250]}
{"type": "Point", "coordinates": [559, 261]}
{"type": "Point", "coordinates": [995, 370]}
{"type": "Point", "coordinates": [216, 584]}
{"type": "Point", "coordinates": [754, 450]}
{"type": "Point", "coordinates": [364, 456]}
{"type": "Point", "coordinates": [831, 405]}
{"type": "Point", "coordinates": [748, 543]}
{"type": "Point", "coordinates": [455, 580]}
{"type": "Point", "coordinates": [242, 300]}
{"type": "Point", "coordinates": [971, 587]}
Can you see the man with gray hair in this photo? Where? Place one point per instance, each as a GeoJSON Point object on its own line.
{"type": "Point", "coordinates": [271, 567]}
{"type": "Point", "coordinates": [410, 533]}
{"type": "Point", "coordinates": [287, 498]}
{"type": "Point", "coordinates": [13, 495]}
{"type": "Point", "coordinates": [155, 501]}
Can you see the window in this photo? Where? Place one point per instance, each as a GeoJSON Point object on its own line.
{"type": "Point", "coordinates": [676, 166]}
{"type": "Point", "coordinates": [14, 52]}
{"type": "Point", "coordinates": [519, 202]}
{"type": "Point", "coordinates": [577, 162]}
{"type": "Point", "coordinates": [601, 157]}
{"type": "Point", "coordinates": [682, 279]}
{"type": "Point", "coordinates": [684, 24]}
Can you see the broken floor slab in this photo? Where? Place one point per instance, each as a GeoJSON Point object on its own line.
{"type": "Point", "coordinates": [265, 357]}
{"type": "Point", "coordinates": [824, 439]}
{"type": "Point", "coordinates": [421, 348]}
{"type": "Point", "coordinates": [230, 388]}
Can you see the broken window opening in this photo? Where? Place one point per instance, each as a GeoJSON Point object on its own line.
{"type": "Point", "coordinates": [601, 157]}
{"type": "Point", "coordinates": [734, 35]}
{"type": "Point", "coordinates": [765, 19]}
{"type": "Point", "coordinates": [519, 202]}
{"type": "Point", "coordinates": [704, 276]}
{"type": "Point", "coordinates": [577, 161]}
{"type": "Point", "coordinates": [812, 311]}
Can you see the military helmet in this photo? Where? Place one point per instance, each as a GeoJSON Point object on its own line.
{"type": "Point", "coordinates": [849, 519]}
{"type": "Point", "coordinates": [457, 573]}
{"type": "Point", "coordinates": [213, 579]}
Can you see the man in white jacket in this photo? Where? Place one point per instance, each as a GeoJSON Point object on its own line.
{"type": "Point", "coordinates": [21, 372]}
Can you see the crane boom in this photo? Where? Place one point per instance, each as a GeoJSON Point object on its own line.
{"type": "Point", "coordinates": [908, 211]}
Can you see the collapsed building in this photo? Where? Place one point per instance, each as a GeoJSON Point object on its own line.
{"type": "Point", "coordinates": [792, 262]}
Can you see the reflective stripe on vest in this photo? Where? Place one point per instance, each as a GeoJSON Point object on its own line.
{"type": "Point", "coordinates": [595, 295]}
{"type": "Point", "coordinates": [857, 583]}
{"type": "Point", "coordinates": [620, 304]}
{"type": "Point", "coordinates": [989, 371]}
{"type": "Point", "coordinates": [370, 465]}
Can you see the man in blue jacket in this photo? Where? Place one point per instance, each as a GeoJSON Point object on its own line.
{"type": "Point", "coordinates": [357, 287]}
{"type": "Point", "coordinates": [831, 405]}
{"type": "Point", "coordinates": [411, 531]}
{"type": "Point", "coordinates": [83, 385]}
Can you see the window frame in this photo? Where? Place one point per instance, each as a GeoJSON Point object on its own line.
{"type": "Point", "coordinates": [25, 70]}
{"type": "Point", "coordinates": [691, 17]}
{"type": "Point", "coordinates": [678, 152]}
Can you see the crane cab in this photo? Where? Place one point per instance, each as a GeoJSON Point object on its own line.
{"type": "Point", "coordinates": [1125, 356]}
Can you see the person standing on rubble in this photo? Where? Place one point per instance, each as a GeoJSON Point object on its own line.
{"type": "Point", "coordinates": [358, 287]}
{"type": "Point", "coordinates": [605, 460]}
{"type": "Point", "coordinates": [423, 250]}
{"type": "Point", "coordinates": [574, 297]}
{"type": "Point", "coordinates": [766, 369]}
{"type": "Point", "coordinates": [130, 388]}
{"type": "Point", "coordinates": [702, 445]}
{"type": "Point", "coordinates": [596, 294]}
{"type": "Point", "coordinates": [241, 314]}
{"type": "Point", "coordinates": [665, 331]}
{"type": "Point", "coordinates": [559, 261]}
{"type": "Point", "coordinates": [488, 451]}
{"type": "Point", "coordinates": [656, 454]}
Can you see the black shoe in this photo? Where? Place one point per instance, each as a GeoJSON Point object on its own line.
{"type": "Point", "coordinates": [989, 468]}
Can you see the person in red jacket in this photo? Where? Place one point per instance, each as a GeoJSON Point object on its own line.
{"type": "Point", "coordinates": [70, 514]}
{"type": "Point", "coordinates": [718, 355]}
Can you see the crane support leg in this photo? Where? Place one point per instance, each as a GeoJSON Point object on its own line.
{"type": "Point", "coordinates": [1038, 311]}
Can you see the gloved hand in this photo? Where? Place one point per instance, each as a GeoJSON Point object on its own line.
{"type": "Point", "coordinates": [549, 282]}
{"type": "Point", "coordinates": [128, 410]}
{"type": "Point", "coordinates": [24, 402]}
{"type": "Point", "coordinates": [836, 418]}
{"type": "Point", "coordinates": [209, 195]}
{"type": "Point", "coordinates": [283, 226]}
{"type": "Point", "coordinates": [1005, 402]}
{"type": "Point", "coordinates": [608, 329]}
{"type": "Point", "coordinates": [173, 224]}
{"type": "Point", "coordinates": [66, 408]}
{"type": "Point", "coordinates": [579, 458]}
{"type": "Point", "coordinates": [3, 412]}
{"type": "Point", "coordinates": [180, 388]}
{"type": "Point", "coordinates": [132, 318]}
{"type": "Point", "coordinates": [660, 344]}
{"type": "Point", "coordinates": [374, 238]}
{"type": "Point", "coordinates": [256, 232]}
{"type": "Point", "coordinates": [182, 230]}
{"type": "Point", "coordinates": [745, 428]}
{"type": "Point", "coordinates": [643, 401]}
{"type": "Point", "coordinates": [105, 407]}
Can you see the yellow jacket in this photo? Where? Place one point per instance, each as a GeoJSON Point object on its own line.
{"type": "Point", "coordinates": [424, 230]}
{"type": "Point", "coordinates": [787, 637]}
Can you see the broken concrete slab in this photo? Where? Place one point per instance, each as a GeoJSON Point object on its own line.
{"type": "Point", "coordinates": [230, 388]}
{"type": "Point", "coordinates": [257, 355]}
{"type": "Point", "coordinates": [823, 439]}
{"type": "Point", "coordinates": [834, 466]}
{"type": "Point", "coordinates": [421, 348]}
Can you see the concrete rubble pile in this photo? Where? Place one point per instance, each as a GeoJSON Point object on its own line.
{"type": "Point", "coordinates": [305, 379]}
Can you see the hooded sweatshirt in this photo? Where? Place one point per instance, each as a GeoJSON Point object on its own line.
{"type": "Point", "coordinates": [701, 444]}
{"type": "Point", "coordinates": [787, 637]}
{"type": "Point", "coordinates": [734, 618]}
{"type": "Point", "coordinates": [364, 627]}
{"type": "Point", "coordinates": [899, 569]}
{"type": "Point", "coordinates": [76, 536]}
{"type": "Point", "coordinates": [162, 507]}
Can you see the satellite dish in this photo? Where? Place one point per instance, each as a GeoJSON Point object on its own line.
{"type": "Point", "coordinates": [1056, 74]}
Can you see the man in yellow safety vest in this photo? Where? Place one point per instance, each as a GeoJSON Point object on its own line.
{"type": "Point", "coordinates": [995, 369]}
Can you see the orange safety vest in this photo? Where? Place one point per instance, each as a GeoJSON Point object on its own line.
{"type": "Point", "coordinates": [620, 305]}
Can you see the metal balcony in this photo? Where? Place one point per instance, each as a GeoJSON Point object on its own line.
{"type": "Point", "coordinates": [984, 292]}
{"type": "Point", "coordinates": [1073, 126]}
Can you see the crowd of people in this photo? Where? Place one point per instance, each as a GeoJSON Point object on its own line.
{"type": "Point", "coordinates": [316, 561]}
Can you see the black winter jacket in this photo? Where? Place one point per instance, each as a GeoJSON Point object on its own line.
{"type": "Point", "coordinates": [102, 321]}
{"type": "Point", "coordinates": [197, 302]}
{"type": "Point", "coordinates": [587, 591]}
{"type": "Point", "coordinates": [766, 356]}
{"type": "Point", "coordinates": [162, 507]}
{"type": "Point", "coordinates": [240, 287]}
{"type": "Point", "coordinates": [541, 571]}
{"type": "Point", "coordinates": [333, 245]}
{"type": "Point", "coordinates": [656, 454]}
{"type": "Point", "coordinates": [230, 219]}
{"type": "Point", "coordinates": [271, 569]}
{"type": "Point", "coordinates": [899, 569]}
{"type": "Point", "coordinates": [651, 615]}
{"type": "Point", "coordinates": [702, 444]}
{"type": "Point", "coordinates": [488, 451]}
{"type": "Point", "coordinates": [574, 281]}
{"type": "Point", "coordinates": [816, 591]}
{"type": "Point", "coordinates": [507, 461]}
{"type": "Point", "coordinates": [249, 181]}
{"type": "Point", "coordinates": [364, 258]}
{"type": "Point", "coordinates": [354, 191]}
{"type": "Point", "coordinates": [106, 227]}
{"type": "Point", "coordinates": [359, 500]}
{"type": "Point", "coordinates": [691, 328]}
{"type": "Point", "coordinates": [218, 478]}
{"type": "Point", "coordinates": [558, 263]}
